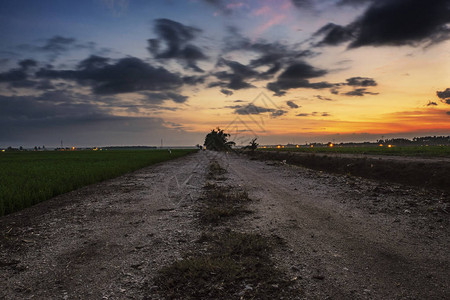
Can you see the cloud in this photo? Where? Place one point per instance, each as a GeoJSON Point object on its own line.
{"type": "Point", "coordinates": [27, 63]}
{"type": "Point", "coordinates": [323, 98]}
{"type": "Point", "coordinates": [13, 75]}
{"type": "Point", "coordinates": [431, 103]}
{"type": "Point", "coordinates": [226, 92]}
{"type": "Point", "coordinates": [359, 92]}
{"type": "Point", "coordinates": [361, 81]}
{"type": "Point", "coordinates": [237, 78]}
{"type": "Point", "coordinates": [392, 23]}
{"type": "Point", "coordinates": [296, 76]}
{"type": "Point", "coordinates": [443, 94]}
{"type": "Point", "coordinates": [334, 34]}
{"type": "Point", "coordinates": [278, 113]}
{"type": "Point", "coordinates": [48, 118]}
{"type": "Point", "coordinates": [302, 115]}
{"type": "Point", "coordinates": [125, 76]}
{"type": "Point", "coordinates": [448, 113]}
{"type": "Point", "coordinates": [158, 98]}
{"type": "Point", "coordinates": [272, 56]}
{"type": "Point", "coordinates": [251, 109]}
{"type": "Point", "coordinates": [292, 104]}
{"type": "Point", "coordinates": [354, 2]}
{"type": "Point", "coordinates": [176, 38]}
{"type": "Point", "coordinates": [19, 76]}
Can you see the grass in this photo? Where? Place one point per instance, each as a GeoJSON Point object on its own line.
{"type": "Point", "coordinates": [215, 170]}
{"type": "Point", "coordinates": [427, 151]}
{"type": "Point", "coordinates": [236, 266]}
{"type": "Point", "coordinates": [222, 203]}
{"type": "Point", "coordinates": [27, 178]}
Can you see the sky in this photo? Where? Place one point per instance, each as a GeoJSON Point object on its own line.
{"type": "Point", "coordinates": [137, 72]}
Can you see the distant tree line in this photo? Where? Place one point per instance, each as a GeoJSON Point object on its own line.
{"type": "Point", "coordinates": [426, 140]}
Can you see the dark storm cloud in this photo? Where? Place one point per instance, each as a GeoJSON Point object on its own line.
{"type": "Point", "coordinates": [359, 92]}
{"type": "Point", "coordinates": [393, 23]}
{"type": "Point", "coordinates": [160, 97]}
{"type": "Point", "coordinates": [176, 38]}
{"type": "Point", "coordinates": [292, 104]}
{"type": "Point", "coordinates": [361, 81]}
{"type": "Point", "coordinates": [431, 103]}
{"type": "Point", "coordinates": [226, 92]}
{"type": "Point", "coordinates": [236, 78]}
{"type": "Point", "coordinates": [125, 76]}
{"type": "Point", "coordinates": [334, 34]}
{"type": "Point", "coordinates": [27, 63]}
{"type": "Point", "coordinates": [297, 75]}
{"type": "Point", "coordinates": [193, 80]}
{"type": "Point", "coordinates": [443, 94]}
{"type": "Point", "coordinates": [272, 56]}
{"type": "Point", "coordinates": [13, 75]}
{"type": "Point", "coordinates": [19, 75]}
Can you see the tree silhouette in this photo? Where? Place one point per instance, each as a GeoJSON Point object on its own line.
{"type": "Point", "coordinates": [253, 145]}
{"type": "Point", "coordinates": [217, 140]}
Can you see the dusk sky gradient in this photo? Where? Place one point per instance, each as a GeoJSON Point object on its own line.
{"type": "Point", "coordinates": [133, 72]}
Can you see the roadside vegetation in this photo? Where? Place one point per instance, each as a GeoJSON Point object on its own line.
{"type": "Point", "coordinates": [427, 151]}
{"type": "Point", "coordinates": [414, 173]}
{"type": "Point", "coordinates": [227, 264]}
{"type": "Point", "coordinates": [27, 178]}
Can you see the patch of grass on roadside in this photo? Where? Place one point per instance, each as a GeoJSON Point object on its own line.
{"type": "Point", "coordinates": [237, 265]}
{"type": "Point", "coordinates": [221, 203]}
{"type": "Point", "coordinates": [215, 170]}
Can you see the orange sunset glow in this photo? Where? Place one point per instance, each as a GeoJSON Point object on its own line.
{"type": "Point", "coordinates": [282, 71]}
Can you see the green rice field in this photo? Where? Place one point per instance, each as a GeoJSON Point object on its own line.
{"type": "Point", "coordinates": [430, 151]}
{"type": "Point", "coordinates": [27, 178]}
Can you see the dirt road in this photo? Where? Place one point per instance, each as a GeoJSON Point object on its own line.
{"type": "Point", "coordinates": [345, 237]}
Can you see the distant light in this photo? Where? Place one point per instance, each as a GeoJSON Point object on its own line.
{"type": "Point", "coordinates": [278, 146]}
{"type": "Point", "coordinates": [298, 146]}
{"type": "Point", "coordinates": [3, 150]}
{"type": "Point", "coordinates": [282, 146]}
{"type": "Point", "coordinates": [312, 146]}
{"type": "Point", "coordinates": [73, 148]}
{"type": "Point", "coordinates": [95, 149]}
{"type": "Point", "coordinates": [331, 145]}
{"type": "Point", "coordinates": [389, 146]}
{"type": "Point", "coordinates": [381, 145]}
